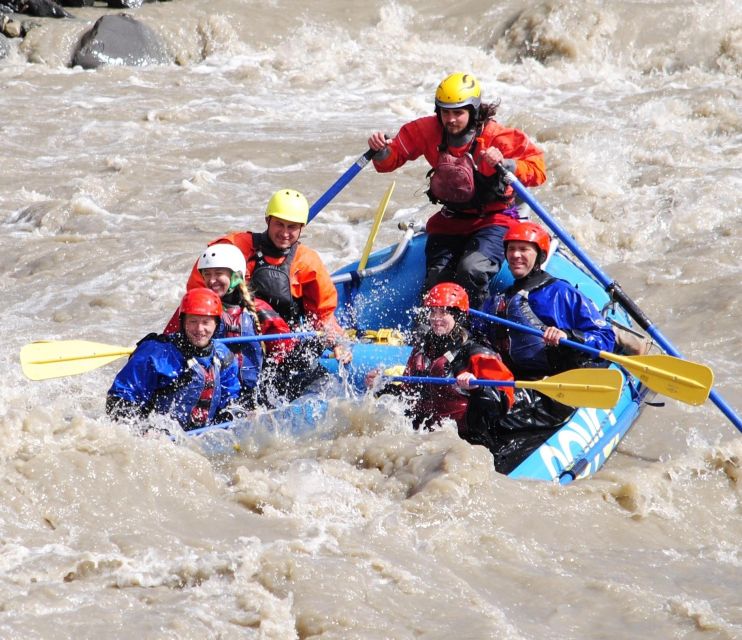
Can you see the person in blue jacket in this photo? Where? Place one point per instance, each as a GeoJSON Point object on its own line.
{"type": "Point", "coordinates": [185, 375]}
{"type": "Point", "coordinates": [539, 300]}
{"type": "Point", "coordinates": [557, 308]}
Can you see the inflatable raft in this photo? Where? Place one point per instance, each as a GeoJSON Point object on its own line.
{"type": "Point", "coordinates": [377, 303]}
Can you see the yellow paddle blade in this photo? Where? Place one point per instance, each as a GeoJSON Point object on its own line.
{"type": "Point", "coordinates": [375, 227]}
{"type": "Point", "coordinates": [683, 380]}
{"type": "Point", "coordinates": [599, 388]}
{"type": "Point", "coordinates": [55, 359]}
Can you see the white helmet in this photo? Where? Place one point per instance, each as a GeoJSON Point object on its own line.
{"type": "Point", "coordinates": [223, 256]}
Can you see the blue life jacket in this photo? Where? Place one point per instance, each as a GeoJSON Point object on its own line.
{"type": "Point", "coordinates": [540, 300]}
{"type": "Point", "coordinates": [527, 352]}
{"type": "Point", "coordinates": [238, 322]}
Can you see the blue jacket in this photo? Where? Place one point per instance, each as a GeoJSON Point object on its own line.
{"type": "Point", "coordinates": [541, 301]}
{"type": "Point", "coordinates": [158, 378]}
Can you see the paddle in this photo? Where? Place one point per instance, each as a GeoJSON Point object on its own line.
{"type": "Point", "coordinates": [682, 380]}
{"type": "Point", "coordinates": [340, 183]}
{"type": "Point", "coordinates": [599, 388]}
{"type": "Point", "coordinates": [612, 287]}
{"type": "Point", "coordinates": [54, 359]}
{"type": "Point", "coordinates": [375, 227]}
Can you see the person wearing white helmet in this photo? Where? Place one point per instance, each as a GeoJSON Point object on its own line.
{"type": "Point", "coordinates": [223, 269]}
{"type": "Point", "coordinates": [464, 145]}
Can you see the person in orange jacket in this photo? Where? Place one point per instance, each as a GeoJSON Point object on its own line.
{"type": "Point", "coordinates": [285, 273]}
{"type": "Point", "coordinates": [293, 280]}
{"type": "Point", "coordinates": [465, 146]}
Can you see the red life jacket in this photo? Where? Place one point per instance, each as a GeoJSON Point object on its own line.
{"type": "Point", "coordinates": [200, 411]}
{"type": "Point", "coordinates": [457, 183]}
{"type": "Point", "coordinates": [437, 401]}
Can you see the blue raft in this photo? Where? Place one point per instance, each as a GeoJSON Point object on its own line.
{"type": "Point", "coordinates": [379, 302]}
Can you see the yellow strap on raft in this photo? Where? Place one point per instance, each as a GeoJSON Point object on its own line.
{"type": "Point", "coordinates": [396, 370]}
{"type": "Point", "coordinates": [383, 336]}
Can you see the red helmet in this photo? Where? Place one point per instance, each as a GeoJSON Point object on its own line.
{"type": "Point", "coordinates": [447, 294]}
{"type": "Point", "coordinates": [529, 232]}
{"type": "Point", "coordinates": [201, 302]}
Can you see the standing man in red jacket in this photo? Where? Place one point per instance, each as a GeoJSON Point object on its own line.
{"type": "Point", "coordinates": [464, 145]}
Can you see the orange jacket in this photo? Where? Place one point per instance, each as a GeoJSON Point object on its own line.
{"type": "Point", "coordinates": [423, 137]}
{"type": "Point", "coordinates": [491, 367]}
{"type": "Point", "coordinates": [309, 279]}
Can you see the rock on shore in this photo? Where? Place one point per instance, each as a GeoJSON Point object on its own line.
{"type": "Point", "coordinates": [120, 40]}
{"type": "Point", "coordinates": [113, 39]}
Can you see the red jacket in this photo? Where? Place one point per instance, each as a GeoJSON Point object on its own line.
{"type": "Point", "coordinates": [423, 137]}
{"type": "Point", "coordinates": [309, 278]}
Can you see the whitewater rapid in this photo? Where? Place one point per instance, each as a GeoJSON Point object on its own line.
{"type": "Point", "coordinates": [111, 181]}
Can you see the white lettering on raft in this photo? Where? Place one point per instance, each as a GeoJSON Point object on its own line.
{"type": "Point", "coordinates": [583, 431]}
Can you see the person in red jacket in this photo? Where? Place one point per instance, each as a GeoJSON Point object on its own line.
{"type": "Point", "coordinates": [465, 146]}
{"type": "Point", "coordinates": [447, 350]}
{"type": "Point", "coordinates": [287, 274]}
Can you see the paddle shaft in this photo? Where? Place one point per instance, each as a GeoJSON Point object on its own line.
{"type": "Point", "coordinates": [517, 384]}
{"type": "Point", "coordinates": [268, 337]}
{"type": "Point", "coordinates": [683, 380]}
{"type": "Point", "coordinates": [627, 362]}
{"type": "Point", "coordinates": [613, 288]}
{"type": "Point", "coordinates": [340, 183]}
{"type": "Point", "coordinates": [95, 351]}
{"type": "Point", "coordinates": [536, 332]}
{"type": "Point", "coordinates": [577, 388]}
{"type": "Point", "coordinates": [433, 380]}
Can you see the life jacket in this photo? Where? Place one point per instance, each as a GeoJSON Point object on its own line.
{"type": "Point", "coordinates": [272, 282]}
{"type": "Point", "coordinates": [436, 402]}
{"type": "Point", "coordinates": [527, 354]}
{"type": "Point", "coordinates": [202, 408]}
{"type": "Point", "coordinates": [193, 397]}
{"type": "Point", "coordinates": [441, 401]}
{"type": "Point", "coordinates": [457, 184]}
{"type": "Point", "coordinates": [237, 322]}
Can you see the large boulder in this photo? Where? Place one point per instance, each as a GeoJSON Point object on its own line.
{"type": "Point", "coordinates": [120, 40]}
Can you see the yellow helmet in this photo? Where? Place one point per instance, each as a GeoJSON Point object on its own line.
{"type": "Point", "coordinates": [288, 205]}
{"type": "Point", "coordinates": [458, 90]}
